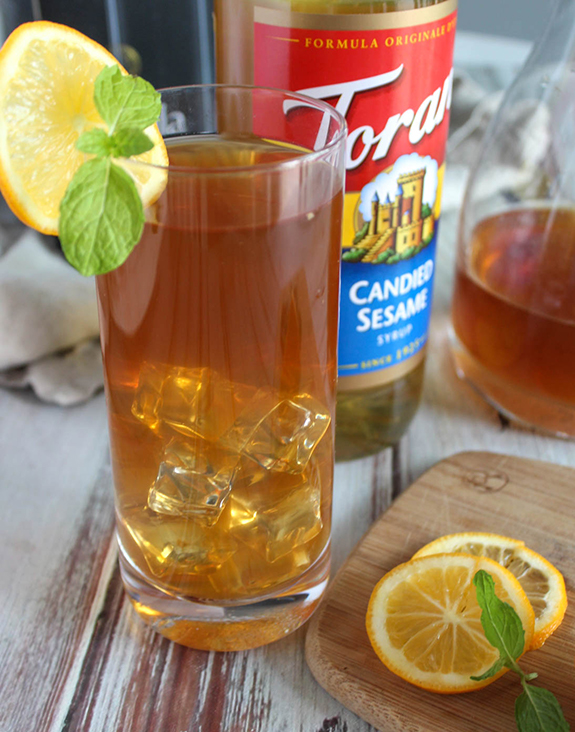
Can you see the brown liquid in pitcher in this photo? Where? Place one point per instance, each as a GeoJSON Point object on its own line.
{"type": "Point", "coordinates": [514, 305]}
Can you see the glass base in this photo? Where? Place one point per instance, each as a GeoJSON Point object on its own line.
{"type": "Point", "coordinates": [530, 409]}
{"type": "Point", "coordinates": [231, 627]}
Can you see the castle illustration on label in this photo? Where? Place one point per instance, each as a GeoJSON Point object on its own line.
{"type": "Point", "coordinates": [399, 226]}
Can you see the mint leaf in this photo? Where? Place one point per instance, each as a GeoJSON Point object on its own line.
{"type": "Point", "coordinates": [125, 101]}
{"type": "Point", "coordinates": [95, 142]}
{"type": "Point", "coordinates": [124, 143]}
{"type": "Point", "coordinates": [537, 710]}
{"type": "Point", "coordinates": [101, 214]}
{"type": "Point", "coordinates": [101, 217]}
{"type": "Point", "coordinates": [495, 669]}
{"type": "Point", "coordinates": [128, 141]}
{"type": "Point", "coordinates": [501, 624]}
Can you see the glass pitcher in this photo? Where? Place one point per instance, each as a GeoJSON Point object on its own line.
{"type": "Point", "coordinates": [513, 334]}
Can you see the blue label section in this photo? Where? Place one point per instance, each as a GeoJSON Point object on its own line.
{"type": "Point", "coordinates": [384, 311]}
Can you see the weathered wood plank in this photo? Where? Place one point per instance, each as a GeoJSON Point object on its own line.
{"type": "Point", "coordinates": [55, 528]}
{"type": "Point", "coordinates": [122, 649]}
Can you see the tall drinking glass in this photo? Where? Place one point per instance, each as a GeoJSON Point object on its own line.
{"type": "Point", "coordinates": [219, 336]}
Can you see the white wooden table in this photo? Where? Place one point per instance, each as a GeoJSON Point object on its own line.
{"type": "Point", "coordinates": [73, 655]}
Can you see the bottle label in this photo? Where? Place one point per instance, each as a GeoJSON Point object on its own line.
{"type": "Point", "coordinates": [390, 75]}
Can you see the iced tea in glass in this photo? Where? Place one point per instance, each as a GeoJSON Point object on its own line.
{"type": "Point", "coordinates": [219, 336]}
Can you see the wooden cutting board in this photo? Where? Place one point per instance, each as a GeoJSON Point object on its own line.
{"type": "Point", "coordinates": [472, 491]}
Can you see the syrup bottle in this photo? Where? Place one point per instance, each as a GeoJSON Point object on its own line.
{"type": "Point", "coordinates": [387, 67]}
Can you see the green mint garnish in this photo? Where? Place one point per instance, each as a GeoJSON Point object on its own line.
{"type": "Point", "coordinates": [125, 101]}
{"type": "Point", "coordinates": [128, 141]}
{"type": "Point", "coordinates": [101, 214]}
{"type": "Point", "coordinates": [536, 709]}
{"type": "Point", "coordinates": [95, 142]}
{"type": "Point", "coordinates": [501, 624]}
{"type": "Point", "coordinates": [101, 217]}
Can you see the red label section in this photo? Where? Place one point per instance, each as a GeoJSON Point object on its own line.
{"type": "Point", "coordinates": [392, 85]}
{"type": "Point", "coordinates": [390, 75]}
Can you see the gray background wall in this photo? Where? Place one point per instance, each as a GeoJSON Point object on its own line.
{"type": "Point", "coordinates": [517, 18]}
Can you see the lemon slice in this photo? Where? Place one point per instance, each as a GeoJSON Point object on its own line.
{"type": "Point", "coordinates": [543, 583]}
{"type": "Point", "coordinates": [424, 623]}
{"type": "Point", "coordinates": [47, 75]}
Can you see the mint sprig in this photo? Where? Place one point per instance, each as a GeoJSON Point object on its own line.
{"type": "Point", "coordinates": [125, 101]}
{"type": "Point", "coordinates": [101, 213]}
{"type": "Point", "coordinates": [536, 709]}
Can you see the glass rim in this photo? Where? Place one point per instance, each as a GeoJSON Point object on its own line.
{"type": "Point", "coordinates": [310, 156]}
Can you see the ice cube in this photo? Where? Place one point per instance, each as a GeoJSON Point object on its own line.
{"type": "Point", "coordinates": [176, 546]}
{"type": "Point", "coordinates": [180, 398]}
{"type": "Point", "coordinates": [148, 397]}
{"type": "Point", "coordinates": [201, 402]}
{"type": "Point", "coordinates": [191, 401]}
{"type": "Point", "coordinates": [279, 435]}
{"type": "Point", "coordinates": [194, 479]}
{"type": "Point", "coordinates": [277, 514]}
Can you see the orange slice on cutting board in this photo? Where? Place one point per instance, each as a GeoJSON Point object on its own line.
{"type": "Point", "coordinates": [424, 621]}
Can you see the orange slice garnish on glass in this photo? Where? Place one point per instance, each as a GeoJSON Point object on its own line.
{"type": "Point", "coordinates": [47, 75]}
